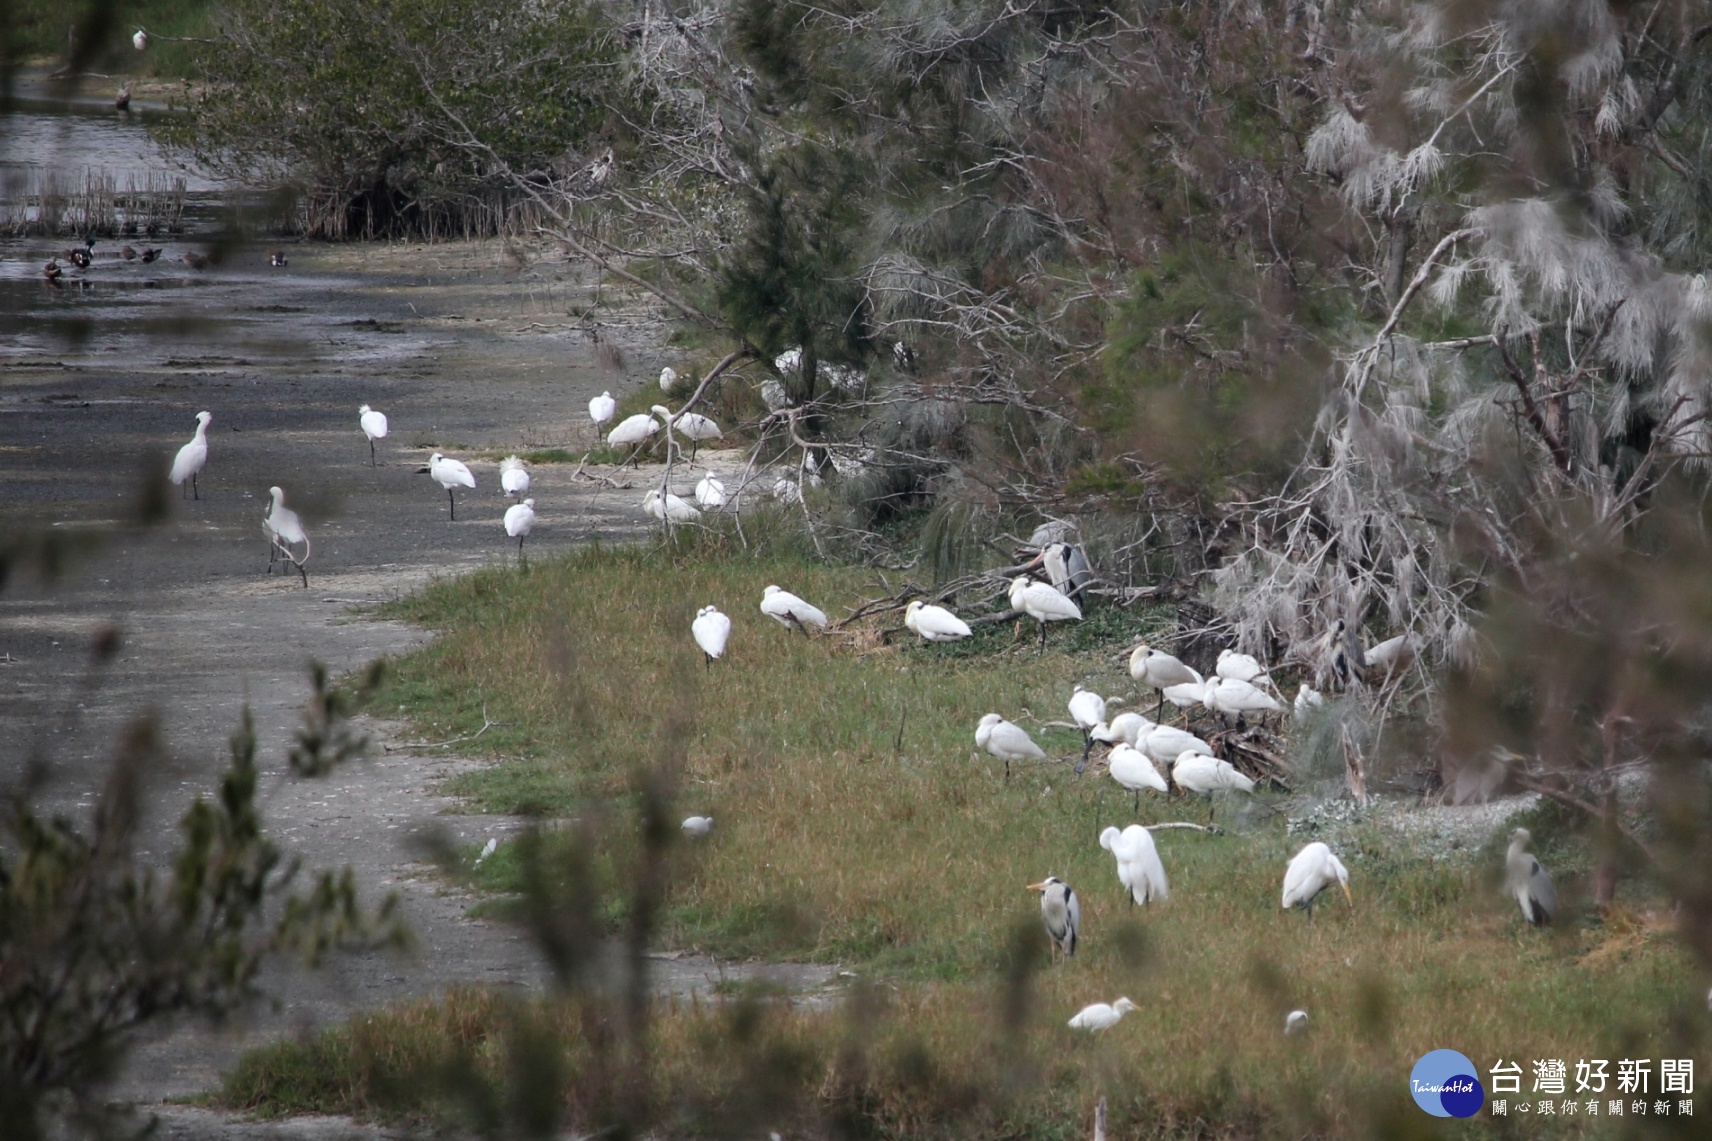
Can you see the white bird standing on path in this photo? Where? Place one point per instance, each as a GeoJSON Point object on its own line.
{"type": "Point", "coordinates": [192, 456]}
{"type": "Point", "coordinates": [669, 508]}
{"type": "Point", "coordinates": [284, 531]}
{"type": "Point", "coordinates": [711, 631]}
{"type": "Point", "coordinates": [1295, 1023]}
{"type": "Point", "coordinates": [1528, 881]}
{"type": "Point", "coordinates": [1312, 871]}
{"type": "Point", "coordinates": [788, 610]}
{"type": "Point", "coordinates": [602, 409]}
{"type": "Point", "coordinates": [374, 427]}
{"type": "Point", "coordinates": [710, 493]}
{"type": "Point", "coordinates": [697, 826]}
{"type": "Point", "coordinates": [519, 521]}
{"type": "Point", "coordinates": [449, 474]}
{"type": "Point", "coordinates": [1006, 741]}
{"type": "Point", "coordinates": [1198, 772]}
{"type": "Point", "coordinates": [1139, 868]}
{"type": "Point", "coordinates": [1101, 1015]}
{"type": "Point", "coordinates": [1125, 727]}
{"type": "Point", "coordinates": [1042, 603]}
{"type": "Point", "coordinates": [1158, 670]}
{"type": "Point", "coordinates": [934, 623]}
{"type": "Point", "coordinates": [1130, 767]}
{"type": "Point", "coordinates": [633, 430]}
{"type": "Point", "coordinates": [668, 378]}
{"type": "Point", "coordinates": [513, 476]}
{"type": "Point", "coordinates": [695, 428]}
{"type": "Point", "coordinates": [1088, 709]}
{"type": "Point", "coordinates": [1061, 911]}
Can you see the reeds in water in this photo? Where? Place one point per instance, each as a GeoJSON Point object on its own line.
{"type": "Point", "coordinates": [50, 201]}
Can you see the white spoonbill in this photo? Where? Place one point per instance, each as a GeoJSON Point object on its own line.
{"type": "Point", "coordinates": [669, 508]}
{"type": "Point", "coordinates": [1156, 669]}
{"type": "Point", "coordinates": [1163, 744]}
{"type": "Point", "coordinates": [192, 456]}
{"type": "Point", "coordinates": [1139, 868]}
{"type": "Point", "coordinates": [1230, 696]}
{"type": "Point", "coordinates": [1296, 1022]}
{"type": "Point", "coordinates": [1125, 727]}
{"type": "Point", "coordinates": [1241, 667]}
{"type": "Point", "coordinates": [1088, 709]}
{"type": "Point", "coordinates": [1312, 871]}
{"type": "Point", "coordinates": [1388, 659]}
{"type": "Point", "coordinates": [449, 474]}
{"type": "Point", "coordinates": [697, 826]}
{"type": "Point", "coordinates": [1130, 767]}
{"type": "Point", "coordinates": [1528, 881]}
{"type": "Point", "coordinates": [513, 476]}
{"type": "Point", "coordinates": [633, 430]}
{"type": "Point", "coordinates": [1186, 695]}
{"type": "Point", "coordinates": [788, 610]}
{"type": "Point", "coordinates": [602, 409]}
{"type": "Point", "coordinates": [710, 493]}
{"type": "Point", "coordinates": [668, 378]}
{"type": "Point", "coordinates": [519, 521]}
{"type": "Point", "coordinates": [695, 428]}
{"type": "Point", "coordinates": [1042, 603]}
{"type": "Point", "coordinates": [1101, 1015]}
{"type": "Point", "coordinates": [1308, 699]}
{"type": "Point", "coordinates": [1006, 741]}
{"type": "Point", "coordinates": [374, 427]}
{"type": "Point", "coordinates": [934, 623]}
{"type": "Point", "coordinates": [1197, 772]}
{"type": "Point", "coordinates": [1061, 911]}
{"type": "Point", "coordinates": [711, 631]}
{"type": "Point", "coordinates": [284, 531]}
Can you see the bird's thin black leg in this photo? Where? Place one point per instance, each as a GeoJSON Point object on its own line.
{"type": "Point", "coordinates": [372, 462]}
{"type": "Point", "coordinates": [450, 499]}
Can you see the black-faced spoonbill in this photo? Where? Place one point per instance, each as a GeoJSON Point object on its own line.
{"type": "Point", "coordinates": [449, 474]}
{"type": "Point", "coordinates": [519, 521]}
{"type": "Point", "coordinates": [711, 631]}
{"type": "Point", "coordinates": [513, 476]}
{"type": "Point", "coordinates": [1042, 603]}
{"type": "Point", "coordinates": [374, 427]}
{"type": "Point", "coordinates": [284, 531]}
{"type": "Point", "coordinates": [192, 456]}
{"type": "Point", "coordinates": [934, 623]}
{"type": "Point", "coordinates": [788, 610]}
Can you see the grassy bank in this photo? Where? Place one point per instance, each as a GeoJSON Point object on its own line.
{"type": "Point", "coordinates": [44, 32]}
{"type": "Point", "coordinates": [855, 824]}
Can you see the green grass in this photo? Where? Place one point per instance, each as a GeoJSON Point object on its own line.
{"type": "Point", "coordinates": [39, 30]}
{"type": "Point", "coordinates": [855, 824]}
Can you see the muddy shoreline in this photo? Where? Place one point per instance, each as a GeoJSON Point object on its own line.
{"type": "Point", "coordinates": [467, 351]}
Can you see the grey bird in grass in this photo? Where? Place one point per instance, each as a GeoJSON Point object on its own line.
{"type": "Point", "coordinates": [1528, 881]}
{"type": "Point", "coordinates": [1061, 911]}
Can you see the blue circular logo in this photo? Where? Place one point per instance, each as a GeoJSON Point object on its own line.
{"type": "Point", "coordinates": [1444, 1085]}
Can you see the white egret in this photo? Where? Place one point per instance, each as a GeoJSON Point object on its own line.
{"type": "Point", "coordinates": [513, 476]}
{"type": "Point", "coordinates": [1241, 667]}
{"type": "Point", "coordinates": [1312, 871]}
{"type": "Point", "coordinates": [1163, 744]}
{"type": "Point", "coordinates": [710, 493]}
{"type": "Point", "coordinates": [1295, 1023]}
{"type": "Point", "coordinates": [788, 610]}
{"type": "Point", "coordinates": [1101, 1015]}
{"type": "Point", "coordinates": [374, 427]}
{"type": "Point", "coordinates": [668, 378]}
{"type": "Point", "coordinates": [139, 39]}
{"type": "Point", "coordinates": [1528, 881]}
{"type": "Point", "coordinates": [697, 826]}
{"type": "Point", "coordinates": [1042, 603]}
{"type": "Point", "coordinates": [1388, 659]}
{"type": "Point", "coordinates": [711, 631]}
{"type": "Point", "coordinates": [1088, 709]}
{"type": "Point", "coordinates": [1198, 772]}
{"type": "Point", "coordinates": [1006, 741]}
{"type": "Point", "coordinates": [1158, 670]}
{"type": "Point", "coordinates": [519, 521]}
{"type": "Point", "coordinates": [695, 428]}
{"type": "Point", "coordinates": [1139, 868]}
{"type": "Point", "coordinates": [633, 430]}
{"type": "Point", "coordinates": [488, 849]}
{"type": "Point", "coordinates": [448, 474]}
{"type": "Point", "coordinates": [1061, 911]}
{"type": "Point", "coordinates": [934, 623]}
{"type": "Point", "coordinates": [1308, 699]}
{"type": "Point", "coordinates": [192, 456]}
{"type": "Point", "coordinates": [1130, 767]}
{"type": "Point", "coordinates": [1125, 727]}
{"type": "Point", "coordinates": [669, 508]}
{"type": "Point", "coordinates": [1229, 696]}
{"type": "Point", "coordinates": [602, 409]}
{"type": "Point", "coordinates": [284, 531]}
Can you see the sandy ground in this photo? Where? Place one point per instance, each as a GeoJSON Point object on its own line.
{"type": "Point", "coordinates": [468, 352]}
